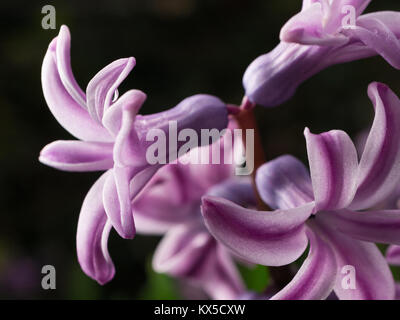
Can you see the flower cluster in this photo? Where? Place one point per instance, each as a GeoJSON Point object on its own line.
{"type": "Point", "coordinates": [212, 219]}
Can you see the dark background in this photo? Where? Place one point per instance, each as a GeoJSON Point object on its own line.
{"type": "Point", "coordinates": [182, 47]}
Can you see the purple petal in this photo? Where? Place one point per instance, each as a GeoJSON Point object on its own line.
{"type": "Point", "coordinates": [372, 226]}
{"type": "Point", "coordinates": [157, 209]}
{"type": "Point", "coordinates": [237, 190]}
{"type": "Point", "coordinates": [198, 112]}
{"type": "Point", "coordinates": [317, 275]}
{"type": "Point", "coordinates": [273, 78]}
{"type": "Point", "coordinates": [335, 16]}
{"type": "Point", "coordinates": [119, 191]}
{"type": "Point", "coordinates": [78, 155]}
{"type": "Point", "coordinates": [333, 165]}
{"type": "Point", "coordinates": [374, 280]}
{"type": "Point", "coordinates": [100, 90]}
{"type": "Point", "coordinates": [188, 251]}
{"type": "Point", "coordinates": [126, 148]}
{"type": "Point", "coordinates": [389, 18]}
{"type": "Point", "coordinates": [64, 67]}
{"type": "Point", "coordinates": [183, 251]}
{"type": "Point", "coordinates": [112, 118]}
{"type": "Point", "coordinates": [223, 281]}
{"type": "Point", "coordinates": [63, 106]}
{"type": "Point", "coordinates": [284, 183]}
{"type": "Point", "coordinates": [319, 21]}
{"type": "Point", "coordinates": [307, 28]}
{"type": "Point", "coordinates": [269, 238]}
{"type": "Point", "coordinates": [393, 255]}
{"type": "Point", "coordinates": [92, 236]}
{"type": "Point", "coordinates": [204, 175]}
{"type": "Point", "coordinates": [379, 170]}
{"type": "Point", "coordinates": [378, 36]}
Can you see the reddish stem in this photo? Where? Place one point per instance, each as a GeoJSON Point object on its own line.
{"type": "Point", "coordinates": [244, 115]}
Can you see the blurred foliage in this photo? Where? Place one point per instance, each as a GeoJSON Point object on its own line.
{"type": "Point", "coordinates": [182, 47]}
{"type": "Point", "coordinates": [256, 277]}
{"type": "Point", "coordinates": [158, 286]}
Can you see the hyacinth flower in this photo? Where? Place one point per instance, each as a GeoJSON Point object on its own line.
{"type": "Point", "coordinates": [112, 138]}
{"type": "Point", "coordinates": [187, 251]}
{"type": "Point", "coordinates": [321, 35]}
{"type": "Point", "coordinates": [324, 209]}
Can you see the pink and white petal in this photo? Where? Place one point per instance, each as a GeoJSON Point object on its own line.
{"type": "Point", "coordinates": [183, 251]}
{"type": "Point", "coordinates": [119, 191]}
{"type": "Point", "coordinates": [92, 235]}
{"type": "Point", "coordinates": [379, 169]}
{"type": "Point", "coordinates": [333, 165]}
{"type": "Point", "coordinates": [393, 255]}
{"type": "Point", "coordinates": [389, 18]}
{"type": "Point", "coordinates": [112, 118]}
{"type": "Point", "coordinates": [117, 201]}
{"type": "Point", "coordinates": [376, 35]}
{"type": "Point", "coordinates": [78, 155]}
{"type": "Point", "coordinates": [100, 90]}
{"type": "Point", "coordinates": [269, 238]}
{"type": "Point", "coordinates": [237, 190]}
{"type": "Point", "coordinates": [63, 54]}
{"type": "Point", "coordinates": [337, 12]}
{"type": "Point", "coordinates": [373, 278]}
{"type": "Point", "coordinates": [284, 183]}
{"type": "Point", "coordinates": [156, 216]}
{"type": "Point", "coordinates": [127, 149]}
{"type": "Point", "coordinates": [222, 280]}
{"type": "Point", "coordinates": [316, 277]}
{"type": "Point", "coordinates": [75, 119]}
{"type": "Point", "coordinates": [372, 226]}
{"type": "Point", "coordinates": [307, 28]}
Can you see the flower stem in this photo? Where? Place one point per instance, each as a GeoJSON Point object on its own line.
{"type": "Point", "coordinates": [245, 117]}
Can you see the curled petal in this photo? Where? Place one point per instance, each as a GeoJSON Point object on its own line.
{"type": "Point", "coordinates": [112, 118]}
{"type": "Point", "coordinates": [183, 251]}
{"type": "Point", "coordinates": [307, 28]}
{"type": "Point", "coordinates": [63, 106]}
{"type": "Point", "coordinates": [364, 259]}
{"type": "Point", "coordinates": [379, 170]}
{"type": "Point", "coordinates": [127, 148]}
{"type": "Point", "coordinates": [92, 236]}
{"type": "Point", "coordinates": [316, 277]}
{"type": "Point", "coordinates": [333, 165]}
{"type": "Point", "coordinates": [393, 255]}
{"type": "Point", "coordinates": [188, 251]}
{"type": "Point", "coordinates": [119, 191]}
{"type": "Point", "coordinates": [269, 238]}
{"type": "Point", "coordinates": [319, 21]}
{"type": "Point", "coordinates": [389, 18]}
{"type": "Point", "coordinates": [63, 55]}
{"type": "Point", "coordinates": [223, 281]}
{"type": "Point", "coordinates": [376, 35]}
{"type": "Point", "coordinates": [101, 88]}
{"type": "Point", "coordinates": [239, 191]}
{"type": "Point", "coordinates": [372, 226]}
{"type": "Point", "coordinates": [337, 12]}
{"type": "Point", "coordinates": [78, 155]}
{"type": "Point", "coordinates": [157, 210]}
{"type": "Point", "coordinates": [284, 183]}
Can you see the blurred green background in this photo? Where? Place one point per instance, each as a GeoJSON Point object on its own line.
{"type": "Point", "coordinates": [182, 47]}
